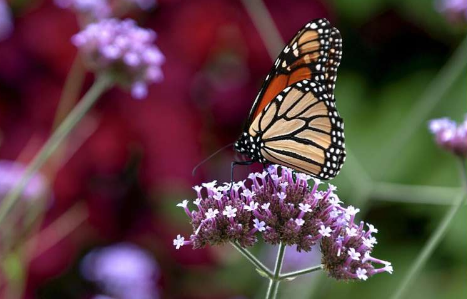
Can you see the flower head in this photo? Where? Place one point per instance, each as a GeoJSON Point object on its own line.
{"type": "Point", "coordinates": [10, 175]}
{"type": "Point", "coordinates": [6, 22]}
{"type": "Point", "coordinates": [123, 50]}
{"type": "Point", "coordinates": [346, 254]}
{"type": "Point", "coordinates": [450, 136]}
{"type": "Point", "coordinates": [229, 212]}
{"type": "Point", "coordinates": [179, 241]}
{"type": "Point", "coordinates": [122, 271]}
{"type": "Point", "coordinates": [295, 215]}
{"type": "Point", "coordinates": [361, 274]}
{"type": "Point", "coordinates": [211, 214]}
{"type": "Point", "coordinates": [259, 225]}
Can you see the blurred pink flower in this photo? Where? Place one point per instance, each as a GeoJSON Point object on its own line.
{"type": "Point", "coordinates": [6, 22]}
{"type": "Point", "coordinates": [10, 175]}
{"type": "Point", "coordinates": [454, 9]}
{"type": "Point", "coordinates": [123, 271]}
{"type": "Point", "coordinates": [123, 50]}
{"type": "Point", "coordinates": [450, 136]}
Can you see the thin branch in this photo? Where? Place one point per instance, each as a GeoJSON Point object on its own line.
{"type": "Point", "coordinates": [434, 240]}
{"type": "Point", "coordinates": [55, 140]}
{"type": "Point", "coordinates": [266, 27]}
{"type": "Point", "coordinates": [414, 194]}
{"type": "Point", "coordinates": [301, 272]}
{"type": "Point", "coordinates": [275, 280]}
{"type": "Point", "coordinates": [250, 257]}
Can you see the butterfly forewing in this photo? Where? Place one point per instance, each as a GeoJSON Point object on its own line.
{"type": "Point", "coordinates": [334, 60]}
{"type": "Point", "coordinates": [304, 57]}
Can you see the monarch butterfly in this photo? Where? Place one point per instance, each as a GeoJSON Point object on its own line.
{"type": "Point", "coordinates": [294, 121]}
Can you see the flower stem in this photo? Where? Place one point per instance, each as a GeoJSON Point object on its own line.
{"type": "Point", "coordinates": [250, 257]}
{"type": "Point", "coordinates": [435, 238]}
{"type": "Point", "coordinates": [100, 86]}
{"type": "Point", "coordinates": [265, 25]}
{"type": "Point", "coordinates": [71, 89]}
{"type": "Point", "coordinates": [414, 194]}
{"type": "Point", "coordinates": [275, 280]}
{"type": "Point", "coordinates": [300, 272]}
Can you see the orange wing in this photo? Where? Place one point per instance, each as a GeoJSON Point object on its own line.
{"type": "Point", "coordinates": [306, 56]}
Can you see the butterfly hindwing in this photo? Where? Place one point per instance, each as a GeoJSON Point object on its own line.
{"type": "Point", "coordinates": [302, 129]}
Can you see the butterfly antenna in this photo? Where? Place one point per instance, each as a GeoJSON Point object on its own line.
{"type": "Point", "coordinates": [210, 156]}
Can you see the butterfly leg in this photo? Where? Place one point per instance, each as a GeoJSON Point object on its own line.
{"type": "Point", "coordinates": [232, 166]}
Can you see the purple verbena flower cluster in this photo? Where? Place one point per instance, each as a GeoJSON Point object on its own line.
{"type": "Point", "coordinates": [279, 205]}
{"type": "Point", "coordinates": [124, 50]}
{"type": "Point", "coordinates": [6, 22]}
{"type": "Point", "coordinates": [450, 136]}
{"type": "Point", "coordinates": [122, 271]}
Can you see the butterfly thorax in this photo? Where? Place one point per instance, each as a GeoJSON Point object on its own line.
{"type": "Point", "coordinates": [250, 146]}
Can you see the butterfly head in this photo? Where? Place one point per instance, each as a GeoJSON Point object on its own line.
{"type": "Point", "coordinates": [250, 146]}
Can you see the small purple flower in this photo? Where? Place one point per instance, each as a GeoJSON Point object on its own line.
{"type": "Point", "coordinates": [294, 214]}
{"type": "Point", "coordinates": [123, 50]}
{"type": "Point", "coordinates": [229, 212]}
{"type": "Point", "coordinates": [6, 22]}
{"type": "Point", "coordinates": [361, 274]}
{"type": "Point", "coordinates": [259, 225]}
{"type": "Point", "coordinates": [450, 136]}
{"type": "Point", "coordinates": [325, 231]}
{"type": "Point", "coordinates": [179, 241]}
{"type": "Point", "coordinates": [122, 271]}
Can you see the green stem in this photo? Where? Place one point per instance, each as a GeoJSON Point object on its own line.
{"type": "Point", "coordinates": [300, 272]}
{"type": "Point", "coordinates": [275, 280]}
{"type": "Point", "coordinates": [250, 257]}
{"type": "Point", "coordinates": [434, 240]}
{"type": "Point", "coordinates": [265, 25]}
{"type": "Point", "coordinates": [71, 89]}
{"type": "Point", "coordinates": [99, 86]}
{"type": "Point", "coordinates": [414, 194]}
